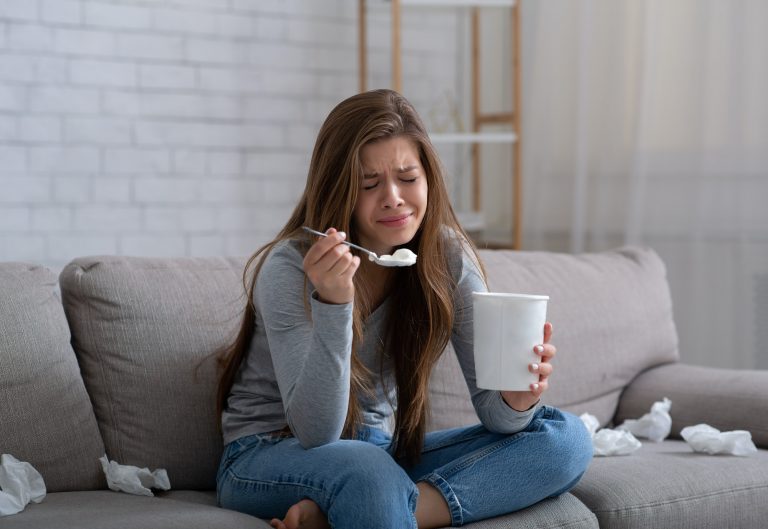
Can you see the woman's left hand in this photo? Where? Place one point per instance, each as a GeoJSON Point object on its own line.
{"type": "Point", "coordinates": [523, 400]}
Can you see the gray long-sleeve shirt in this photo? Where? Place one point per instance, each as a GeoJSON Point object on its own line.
{"type": "Point", "coordinates": [297, 370]}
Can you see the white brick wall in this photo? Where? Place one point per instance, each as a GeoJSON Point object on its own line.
{"type": "Point", "coordinates": [178, 127]}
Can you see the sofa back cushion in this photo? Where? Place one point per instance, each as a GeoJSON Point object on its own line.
{"type": "Point", "coordinates": [46, 417]}
{"type": "Point", "coordinates": [612, 318]}
{"type": "Point", "coordinates": [144, 331]}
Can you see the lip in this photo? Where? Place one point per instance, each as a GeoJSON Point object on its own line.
{"type": "Point", "coordinates": [395, 220]}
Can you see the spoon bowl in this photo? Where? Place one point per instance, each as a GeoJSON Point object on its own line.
{"type": "Point", "coordinates": [402, 257]}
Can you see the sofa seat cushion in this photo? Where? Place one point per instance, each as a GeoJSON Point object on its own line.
{"type": "Point", "coordinates": [563, 512]}
{"type": "Point", "coordinates": [46, 416]}
{"type": "Point", "coordinates": [668, 485]}
{"type": "Point", "coordinates": [116, 510]}
{"type": "Point", "coordinates": [144, 331]}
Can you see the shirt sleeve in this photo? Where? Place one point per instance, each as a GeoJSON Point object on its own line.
{"type": "Point", "coordinates": [493, 411]}
{"type": "Point", "coordinates": [310, 350]}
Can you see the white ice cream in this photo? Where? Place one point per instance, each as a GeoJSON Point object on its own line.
{"type": "Point", "coordinates": [401, 257]}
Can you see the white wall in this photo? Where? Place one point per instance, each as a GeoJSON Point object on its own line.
{"type": "Point", "coordinates": [177, 127]}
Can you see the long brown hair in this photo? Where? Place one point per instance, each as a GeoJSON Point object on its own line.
{"type": "Point", "coordinates": [419, 326]}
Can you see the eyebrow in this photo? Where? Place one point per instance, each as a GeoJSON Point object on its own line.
{"type": "Point", "coordinates": [400, 170]}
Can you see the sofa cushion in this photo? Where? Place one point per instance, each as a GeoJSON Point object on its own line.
{"type": "Point", "coordinates": [144, 331]}
{"type": "Point", "coordinates": [563, 512]}
{"type": "Point", "coordinates": [612, 318]}
{"type": "Point", "coordinates": [667, 485]}
{"type": "Point", "coordinates": [46, 417]}
{"type": "Point", "coordinates": [116, 510]}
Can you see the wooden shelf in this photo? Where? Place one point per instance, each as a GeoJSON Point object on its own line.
{"type": "Point", "coordinates": [459, 3]}
{"type": "Point", "coordinates": [474, 137]}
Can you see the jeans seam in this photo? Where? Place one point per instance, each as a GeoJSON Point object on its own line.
{"type": "Point", "coordinates": [235, 479]}
{"type": "Point", "coordinates": [437, 481]}
{"type": "Point", "coordinates": [467, 461]}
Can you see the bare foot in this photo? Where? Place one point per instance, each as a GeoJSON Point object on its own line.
{"type": "Point", "coordinates": [305, 514]}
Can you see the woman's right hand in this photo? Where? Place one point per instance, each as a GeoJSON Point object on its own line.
{"type": "Point", "coordinates": [330, 266]}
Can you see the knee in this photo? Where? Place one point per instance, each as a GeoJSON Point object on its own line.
{"type": "Point", "coordinates": [570, 447]}
{"type": "Point", "coordinates": [365, 467]}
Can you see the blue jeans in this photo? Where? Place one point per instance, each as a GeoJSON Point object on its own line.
{"type": "Point", "coordinates": [358, 483]}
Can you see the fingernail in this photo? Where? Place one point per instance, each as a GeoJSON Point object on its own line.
{"type": "Point", "coordinates": [539, 349]}
{"type": "Point", "coordinates": [535, 367]}
{"type": "Point", "coordinates": [342, 235]}
{"type": "Point", "coordinates": [535, 387]}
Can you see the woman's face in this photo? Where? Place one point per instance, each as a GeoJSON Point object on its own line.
{"type": "Point", "coordinates": [393, 195]}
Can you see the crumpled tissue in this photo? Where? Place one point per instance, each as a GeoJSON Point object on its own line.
{"type": "Point", "coordinates": [134, 480]}
{"type": "Point", "coordinates": [607, 442]}
{"type": "Point", "coordinates": [655, 425]}
{"type": "Point", "coordinates": [709, 440]}
{"type": "Point", "coordinates": [20, 484]}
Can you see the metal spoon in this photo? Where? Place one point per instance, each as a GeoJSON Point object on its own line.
{"type": "Point", "coordinates": [384, 260]}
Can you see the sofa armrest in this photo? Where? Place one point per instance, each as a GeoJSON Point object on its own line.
{"type": "Point", "coordinates": [727, 399]}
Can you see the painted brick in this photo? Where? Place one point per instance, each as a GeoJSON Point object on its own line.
{"type": "Point", "coordinates": [240, 80]}
{"type": "Point", "coordinates": [8, 129]}
{"type": "Point", "coordinates": [149, 46]}
{"type": "Point", "coordinates": [17, 68]}
{"type": "Point", "coordinates": [64, 159]}
{"type": "Point", "coordinates": [12, 98]}
{"type": "Point", "coordinates": [166, 76]}
{"type": "Point", "coordinates": [63, 100]}
{"type": "Point", "coordinates": [198, 218]}
{"type": "Point", "coordinates": [271, 164]}
{"type": "Point", "coordinates": [21, 190]}
{"type": "Point", "coordinates": [185, 21]}
{"type": "Point", "coordinates": [153, 245]}
{"type": "Point", "coordinates": [225, 163]}
{"type": "Point", "coordinates": [109, 190]}
{"type": "Point", "coordinates": [98, 130]}
{"type": "Point", "coordinates": [206, 245]}
{"type": "Point", "coordinates": [51, 218]}
{"type": "Point", "coordinates": [14, 218]}
{"type": "Point", "coordinates": [103, 73]}
{"type": "Point", "coordinates": [215, 51]}
{"type": "Point", "coordinates": [61, 11]}
{"type": "Point", "coordinates": [28, 248]}
{"type": "Point", "coordinates": [171, 105]}
{"type": "Point", "coordinates": [117, 16]}
{"type": "Point", "coordinates": [75, 190]}
{"type": "Point", "coordinates": [84, 42]}
{"type": "Point", "coordinates": [107, 218]}
{"type": "Point", "coordinates": [13, 158]}
{"type": "Point", "coordinates": [18, 10]}
{"type": "Point", "coordinates": [29, 37]}
{"type": "Point", "coordinates": [189, 162]}
{"type": "Point", "coordinates": [67, 247]}
{"type": "Point", "coordinates": [162, 218]}
{"type": "Point", "coordinates": [168, 190]}
{"type": "Point", "coordinates": [39, 128]}
{"type": "Point", "coordinates": [132, 160]}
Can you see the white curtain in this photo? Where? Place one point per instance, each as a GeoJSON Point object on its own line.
{"type": "Point", "coordinates": [646, 122]}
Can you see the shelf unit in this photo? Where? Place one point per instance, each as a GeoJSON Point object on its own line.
{"type": "Point", "coordinates": [473, 220]}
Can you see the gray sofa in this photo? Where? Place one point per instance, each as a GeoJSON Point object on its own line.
{"type": "Point", "coordinates": [113, 356]}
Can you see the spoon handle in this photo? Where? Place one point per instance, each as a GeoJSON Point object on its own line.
{"type": "Point", "coordinates": [321, 234]}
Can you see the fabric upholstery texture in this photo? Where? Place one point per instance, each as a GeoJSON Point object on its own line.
{"type": "Point", "coordinates": [116, 510]}
{"type": "Point", "coordinates": [602, 306]}
{"type": "Point", "coordinates": [47, 418]}
{"type": "Point", "coordinates": [728, 399]}
{"type": "Point", "coordinates": [144, 331]}
{"type": "Point", "coordinates": [563, 512]}
{"type": "Point", "coordinates": [668, 485]}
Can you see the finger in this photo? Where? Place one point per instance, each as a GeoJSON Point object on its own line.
{"type": "Point", "coordinates": [342, 263]}
{"type": "Point", "coordinates": [322, 246]}
{"type": "Point", "coordinates": [545, 351]}
{"type": "Point", "coordinates": [542, 369]}
{"type": "Point", "coordinates": [333, 258]}
{"type": "Point", "coordinates": [537, 388]}
{"type": "Point", "coordinates": [350, 271]}
{"type": "Point", "coordinates": [547, 332]}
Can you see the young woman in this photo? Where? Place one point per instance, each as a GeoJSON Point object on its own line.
{"type": "Point", "coordinates": [333, 347]}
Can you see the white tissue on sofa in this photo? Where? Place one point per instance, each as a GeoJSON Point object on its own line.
{"type": "Point", "coordinates": [709, 440]}
{"type": "Point", "coordinates": [134, 480]}
{"type": "Point", "coordinates": [20, 484]}
{"type": "Point", "coordinates": [607, 442]}
{"type": "Point", "coordinates": [655, 425]}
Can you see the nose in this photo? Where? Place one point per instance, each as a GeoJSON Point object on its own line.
{"type": "Point", "coordinates": [391, 198]}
